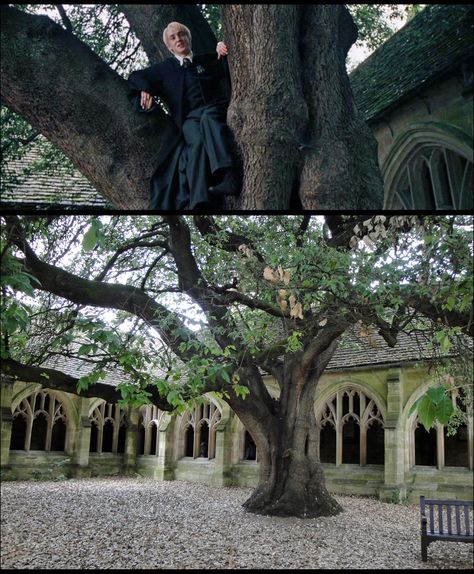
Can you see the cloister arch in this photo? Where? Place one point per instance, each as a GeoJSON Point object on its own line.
{"type": "Point", "coordinates": [42, 420]}
{"type": "Point", "coordinates": [108, 424]}
{"type": "Point", "coordinates": [437, 436]}
{"type": "Point", "coordinates": [346, 412]}
{"type": "Point", "coordinates": [430, 166]}
{"type": "Point", "coordinates": [148, 428]}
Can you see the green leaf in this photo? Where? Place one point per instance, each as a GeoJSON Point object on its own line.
{"type": "Point", "coordinates": [443, 340]}
{"type": "Point", "coordinates": [436, 394]}
{"type": "Point", "coordinates": [450, 302]}
{"type": "Point", "coordinates": [426, 412]}
{"type": "Point", "coordinates": [90, 239]}
{"type": "Point", "coordinates": [86, 349]}
{"type": "Point", "coordinates": [444, 410]}
{"type": "Point", "coordinates": [241, 391]}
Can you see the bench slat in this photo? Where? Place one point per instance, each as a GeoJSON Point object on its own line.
{"type": "Point", "coordinates": [458, 519]}
{"type": "Point", "coordinates": [440, 519]}
{"type": "Point", "coordinates": [466, 518]}
{"type": "Point", "coordinates": [448, 518]}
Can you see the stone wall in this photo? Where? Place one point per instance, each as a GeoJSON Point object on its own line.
{"type": "Point", "coordinates": [380, 396]}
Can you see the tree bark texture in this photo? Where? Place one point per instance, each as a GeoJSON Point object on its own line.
{"type": "Point", "coordinates": [298, 135]}
{"type": "Point", "coordinates": [291, 479]}
{"type": "Point", "coordinates": [340, 167]}
{"type": "Point", "coordinates": [293, 112]}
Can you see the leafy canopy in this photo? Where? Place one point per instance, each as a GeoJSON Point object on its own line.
{"type": "Point", "coordinates": [262, 297]}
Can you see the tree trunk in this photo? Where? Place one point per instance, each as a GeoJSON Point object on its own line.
{"type": "Point", "coordinates": [291, 479]}
{"type": "Point", "coordinates": [268, 114]}
{"type": "Point", "coordinates": [301, 139]}
{"type": "Point", "coordinates": [340, 169]}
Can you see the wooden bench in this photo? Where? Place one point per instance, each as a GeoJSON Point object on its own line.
{"type": "Point", "coordinates": [433, 528]}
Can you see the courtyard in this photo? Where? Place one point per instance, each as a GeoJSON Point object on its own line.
{"type": "Point", "coordinates": [142, 523]}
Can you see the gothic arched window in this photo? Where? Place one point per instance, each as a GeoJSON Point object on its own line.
{"type": "Point", "coordinates": [432, 177]}
{"type": "Point", "coordinates": [39, 423]}
{"type": "Point", "coordinates": [439, 448]}
{"type": "Point", "coordinates": [198, 431]}
{"type": "Point", "coordinates": [350, 429]}
{"type": "Point", "coordinates": [149, 427]}
{"type": "Point", "coordinates": [108, 423]}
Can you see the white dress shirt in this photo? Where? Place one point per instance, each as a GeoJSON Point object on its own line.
{"type": "Point", "coordinates": [181, 58]}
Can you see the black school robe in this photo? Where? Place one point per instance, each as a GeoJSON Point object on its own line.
{"type": "Point", "coordinates": [168, 186]}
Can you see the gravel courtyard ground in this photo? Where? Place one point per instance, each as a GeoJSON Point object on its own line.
{"type": "Point", "coordinates": [144, 524]}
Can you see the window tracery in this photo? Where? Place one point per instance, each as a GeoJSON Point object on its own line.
{"type": "Point", "coordinates": [39, 423]}
{"type": "Point", "coordinates": [108, 425]}
{"type": "Point", "coordinates": [149, 425]}
{"type": "Point", "coordinates": [199, 431]}
{"type": "Point", "coordinates": [433, 177]}
{"type": "Point", "coordinates": [348, 423]}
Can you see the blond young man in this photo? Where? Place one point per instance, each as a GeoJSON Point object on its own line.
{"type": "Point", "coordinates": [196, 89]}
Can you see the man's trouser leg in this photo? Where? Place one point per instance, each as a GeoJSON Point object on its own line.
{"type": "Point", "coordinates": [215, 133]}
{"type": "Point", "coordinates": [197, 169]}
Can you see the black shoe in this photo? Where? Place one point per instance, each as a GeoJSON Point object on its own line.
{"type": "Point", "coordinates": [228, 186]}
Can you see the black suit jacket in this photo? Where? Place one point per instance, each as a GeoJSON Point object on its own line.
{"type": "Point", "coordinates": [166, 80]}
{"type": "Point", "coordinates": [168, 190]}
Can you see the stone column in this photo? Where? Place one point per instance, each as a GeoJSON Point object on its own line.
{"type": "Point", "coordinates": [82, 440]}
{"type": "Point", "coordinates": [6, 395]}
{"type": "Point", "coordinates": [131, 441]}
{"type": "Point", "coordinates": [394, 488]}
{"type": "Point", "coordinates": [222, 475]}
{"type": "Point", "coordinates": [339, 428]}
{"type": "Point", "coordinates": [166, 462]}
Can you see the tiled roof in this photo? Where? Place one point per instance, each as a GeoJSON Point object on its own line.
{"type": "Point", "coordinates": [353, 351]}
{"type": "Point", "coordinates": [436, 41]}
{"type": "Point", "coordinates": [39, 190]}
{"type": "Point", "coordinates": [356, 351]}
{"type": "Point", "coordinates": [76, 367]}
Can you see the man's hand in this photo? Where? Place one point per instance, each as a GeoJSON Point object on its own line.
{"type": "Point", "coordinates": [146, 100]}
{"type": "Point", "coordinates": [221, 50]}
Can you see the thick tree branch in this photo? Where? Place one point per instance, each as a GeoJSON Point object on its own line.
{"type": "Point", "coordinates": [321, 341]}
{"type": "Point", "coordinates": [254, 303]}
{"type": "Point", "coordinates": [193, 283]}
{"type": "Point", "coordinates": [302, 230]}
{"type": "Point", "coordinates": [64, 17]}
{"type": "Point", "coordinates": [63, 89]}
{"type": "Point", "coordinates": [434, 312]}
{"type": "Point", "coordinates": [82, 291]}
